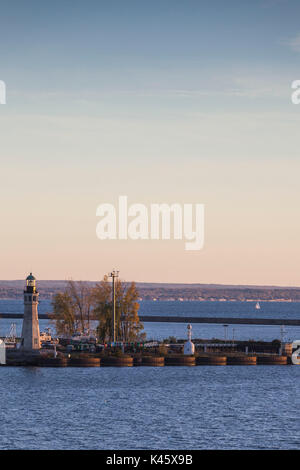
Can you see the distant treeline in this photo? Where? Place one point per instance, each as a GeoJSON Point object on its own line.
{"type": "Point", "coordinates": [224, 293]}
{"type": "Point", "coordinates": [150, 291]}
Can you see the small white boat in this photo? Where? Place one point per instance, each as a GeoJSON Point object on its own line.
{"type": "Point", "coordinates": [257, 306]}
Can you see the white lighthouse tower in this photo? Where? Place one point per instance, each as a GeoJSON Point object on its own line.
{"type": "Point", "coordinates": [189, 347]}
{"type": "Point", "coordinates": [30, 339]}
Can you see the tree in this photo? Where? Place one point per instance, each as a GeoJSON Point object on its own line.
{"type": "Point", "coordinates": [72, 308]}
{"type": "Point", "coordinates": [81, 295]}
{"type": "Point", "coordinates": [103, 309]}
{"type": "Point", "coordinates": [128, 325]}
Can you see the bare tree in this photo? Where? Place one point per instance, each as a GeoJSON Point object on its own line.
{"type": "Point", "coordinates": [72, 308]}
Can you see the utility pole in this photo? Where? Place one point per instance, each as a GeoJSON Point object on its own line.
{"type": "Point", "coordinates": [114, 274]}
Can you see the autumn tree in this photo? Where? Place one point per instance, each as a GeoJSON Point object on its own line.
{"type": "Point", "coordinates": [128, 325]}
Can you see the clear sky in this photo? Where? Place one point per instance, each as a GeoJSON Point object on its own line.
{"type": "Point", "coordinates": [162, 101]}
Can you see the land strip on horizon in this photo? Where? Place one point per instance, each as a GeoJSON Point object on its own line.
{"type": "Point", "coordinates": [168, 291]}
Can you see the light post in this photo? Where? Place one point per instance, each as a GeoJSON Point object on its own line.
{"type": "Point", "coordinates": [114, 274]}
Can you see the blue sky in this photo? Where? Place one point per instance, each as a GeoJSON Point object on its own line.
{"type": "Point", "coordinates": [85, 46]}
{"type": "Point", "coordinates": [165, 101]}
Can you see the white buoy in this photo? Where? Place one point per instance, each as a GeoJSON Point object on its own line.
{"type": "Point", "coordinates": [189, 347]}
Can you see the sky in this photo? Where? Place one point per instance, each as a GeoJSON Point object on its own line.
{"type": "Point", "coordinates": [165, 102]}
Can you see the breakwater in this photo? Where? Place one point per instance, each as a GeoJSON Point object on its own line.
{"type": "Point", "coordinates": [221, 320]}
{"type": "Point", "coordinates": [190, 319]}
{"type": "Point", "coordinates": [15, 358]}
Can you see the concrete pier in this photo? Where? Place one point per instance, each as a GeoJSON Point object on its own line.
{"type": "Point", "coordinates": [177, 319]}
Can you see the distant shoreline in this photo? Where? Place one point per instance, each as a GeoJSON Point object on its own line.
{"type": "Point", "coordinates": [20, 297]}
{"type": "Point", "coordinates": [13, 290]}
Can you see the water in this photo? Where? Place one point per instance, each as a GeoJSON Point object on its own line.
{"type": "Point", "coordinates": [187, 308]}
{"type": "Point", "coordinates": [228, 407]}
{"type": "Point", "coordinates": [285, 310]}
{"type": "Point", "coordinates": [222, 309]}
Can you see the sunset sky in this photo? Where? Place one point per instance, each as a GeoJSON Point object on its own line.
{"type": "Point", "coordinates": [162, 101]}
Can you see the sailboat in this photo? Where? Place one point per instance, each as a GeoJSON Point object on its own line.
{"type": "Point", "coordinates": [257, 306]}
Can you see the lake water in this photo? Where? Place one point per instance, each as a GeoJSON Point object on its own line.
{"type": "Point", "coordinates": [160, 331]}
{"type": "Point", "coordinates": [230, 407]}
{"type": "Point", "coordinates": [204, 407]}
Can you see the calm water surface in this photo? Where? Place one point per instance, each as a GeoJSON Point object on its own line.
{"type": "Point", "coordinates": [228, 407]}
{"type": "Point", "coordinates": [209, 309]}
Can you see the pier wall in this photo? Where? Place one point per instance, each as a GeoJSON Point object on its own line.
{"type": "Point", "coordinates": [179, 319]}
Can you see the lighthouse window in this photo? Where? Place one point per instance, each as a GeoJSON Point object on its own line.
{"type": "Point", "coordinates": [34, 298]}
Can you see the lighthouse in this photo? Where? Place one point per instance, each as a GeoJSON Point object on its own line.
{"type": "Point", "coordinates": [30, 339]}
